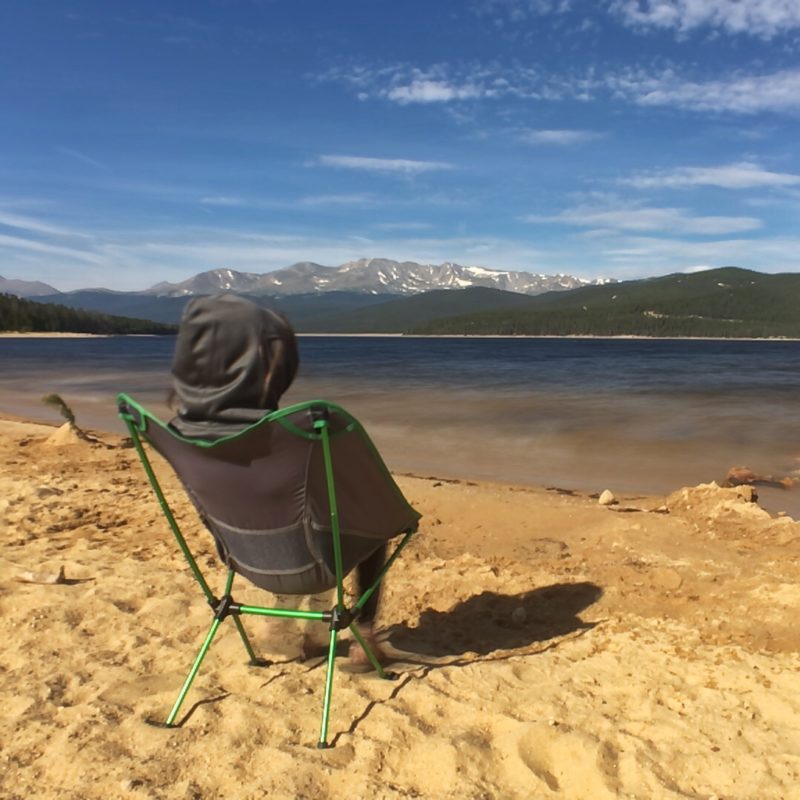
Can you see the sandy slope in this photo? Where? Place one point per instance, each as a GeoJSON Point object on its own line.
{"type": "Point", "coordinates": [547, 646]}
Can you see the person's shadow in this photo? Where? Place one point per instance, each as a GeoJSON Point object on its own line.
{"type": "Point", "coordinates": [490, 621]}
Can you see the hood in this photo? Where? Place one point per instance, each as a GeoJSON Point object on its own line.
{"type": "Point", "coordinates": [233, 360]}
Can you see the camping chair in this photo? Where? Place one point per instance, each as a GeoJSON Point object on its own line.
{"type": "Point", "coordinates": [294, 502]}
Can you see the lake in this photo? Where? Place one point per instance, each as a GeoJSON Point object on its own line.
{"type": "Point", "coordinates": [631, 415]}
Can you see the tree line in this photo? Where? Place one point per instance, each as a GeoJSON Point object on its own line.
{"type": "Point", "coordinates": [19, 315]}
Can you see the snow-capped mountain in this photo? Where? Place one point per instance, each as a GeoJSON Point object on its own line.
{"type": "Point", "coordinates": [368, 275]}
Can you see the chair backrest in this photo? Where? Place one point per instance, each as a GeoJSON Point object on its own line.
{"type": "Point", "coordinates": [264, 493]}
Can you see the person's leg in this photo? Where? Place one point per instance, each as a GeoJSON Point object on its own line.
{"type": "Point", "coordinates": [366, 574]}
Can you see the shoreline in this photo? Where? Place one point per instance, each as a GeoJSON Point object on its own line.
{"type": "Point", "coordinates": [620, 337]}
{"type": "Point", "coordinates": [771, 499]}
{"type": "Point", "coordinates": [52, 335]}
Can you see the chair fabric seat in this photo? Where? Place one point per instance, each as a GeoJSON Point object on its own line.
{"type": "Point", "coordinates": [263, 495]}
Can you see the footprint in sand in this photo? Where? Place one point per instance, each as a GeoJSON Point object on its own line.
{"type": "Point", "coordinates": [571, 763]}
{"type": "Point", "coordinates": [129, 694]}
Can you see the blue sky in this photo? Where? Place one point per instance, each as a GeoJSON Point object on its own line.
{"type": "Point", "coordinates": [148, 141]}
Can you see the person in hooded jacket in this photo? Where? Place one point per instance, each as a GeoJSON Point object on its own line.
{"type": "Point", "coordinates": [233, 362]}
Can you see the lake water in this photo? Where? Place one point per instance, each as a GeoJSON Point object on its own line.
{"type": "Point", "coordinates": [643, 416]}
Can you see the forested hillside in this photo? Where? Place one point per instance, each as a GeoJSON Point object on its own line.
{"type": "Point", "coordinates": [726, 302]}
{"type": "Point", "coordinates": [401, 314]}
{"type": "Point", "coordinates": [26, 316]}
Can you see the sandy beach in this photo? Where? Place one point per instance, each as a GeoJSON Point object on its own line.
{"type": "Point", "coordinates": [547, 646]}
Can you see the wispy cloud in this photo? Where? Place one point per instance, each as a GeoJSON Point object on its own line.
{"type": "Point", "coordinates": [438, 83]}
{"type": "Point", "coordinates": [556, 137]}
{"type": "Point", "coordinates": [743, 175]}
{"type": "Point", "coordinates": [637, 254]}
{"type": "Point", "coordinates": [430, 91]}
{"type": "Point", "coordinates": [307, 201]}
{"type": "Point", "coordinates": [68, 151]}
{"type": "Point", "coordinates": [225, 201]}
{"type": "Point", "coordinates": [520, 10]}
{"type": "Point", "coordinates": [742, 94]}
{"type": "Point", "coordinates": [648, 219]}
{"type": "Point", "coordinates": [401, 166]}
{"type": "Point", "coordinates": [317, 200]}
{"type": "Point", "coordinates": [446, 84]}
{"type": "Point", "coordinates": [403, 226]}
{"type": "Point", "coordinates": [13, 243]}
{"type": "Point", "coordinates": [763, 18]}
{"type": "Point", "coordinates": [31, 225]}
{"type": "Point", "coordinates": [407, 84]}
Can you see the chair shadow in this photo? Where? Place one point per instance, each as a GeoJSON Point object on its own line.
{"type": "Point", "coordinates": [489, 621]}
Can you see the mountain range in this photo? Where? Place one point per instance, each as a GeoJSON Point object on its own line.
{"type": "Point", "coordinates": [724, 302]}
{"type": "Point", "coordinates": [367, 275]}
{"type": "Point", "coordinates": [370, 275]}
{"type": "Point", "coordinates": [315, 297]}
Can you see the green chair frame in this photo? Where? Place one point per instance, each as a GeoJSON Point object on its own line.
{"type": "Point", "coordinates": [340, 617]}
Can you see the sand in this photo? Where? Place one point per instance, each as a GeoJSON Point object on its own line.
{"type": "Point", "coordinates": [548, 647]}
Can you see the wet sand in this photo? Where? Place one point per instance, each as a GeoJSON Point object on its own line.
{"type": "Point", "coordinates": [547, 646]}
{"type": "Point", "coordinates": [565, 440]}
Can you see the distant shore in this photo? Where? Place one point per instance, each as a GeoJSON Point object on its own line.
{"type": "Point", "coordinates": [623, 336]}
{"type": "Point", "coordinates": [49, 335]}
{"type": "Point", "coordinates": [627, 337]}
{"type": "Point", "coordinates": [70, 335]}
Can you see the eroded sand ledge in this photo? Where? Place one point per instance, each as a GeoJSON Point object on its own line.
{"type": "Point", "coordinates": [550, 647]}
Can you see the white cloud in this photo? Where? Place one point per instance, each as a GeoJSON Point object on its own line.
{"type": "Point", "coordinates": [31, 225]}
{"type": "Point", "coordinates": [739, 93]}
{"type": "Point", "coordinates": [306, 202]}
{"type": "Point", "coordinates": [13, 243]}
{"type": "Point", "coordinates": [762, 18]}
{"type": "Point", "coordinates": [317, 200]}
{"type": "Point", "coordinates": [225, 201]}
{"type": "Point", "coordinates": [556, 137]}
{"type": "Point", "coordinates": [403, 226]}
{"type": "Point", "coordinates": [401, 166]}
{"type": "Point", "coordinates": [743, 175]}
{"type": "Point", "coordinates": [520, 10]}
{"type": "Point", "coordinates": [429, 91]}
{"type": "Point", "coordinates": [406, 84]}
{"type": "Point", "coordinates": [645, 219]}
{"type": "Point", "coordinates": [438, 83]}
{"type": "Point", "coordinates": [76, 154]}
{"type": "Point", "coordinates": [743, 94]}
{"type": "Point", "coordinates": [637, 256]}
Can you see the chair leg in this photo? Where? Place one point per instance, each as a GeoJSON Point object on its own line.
{"type": "Point", "coordinates": [326, 703]}
{"type": "Point", "coordinates": [368, 650]}
{"type": "Point", "coordinates": [255, 661]}
{"type": "Point", "coordinates": [192, 673]}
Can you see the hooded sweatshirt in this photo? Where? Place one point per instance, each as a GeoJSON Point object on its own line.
{"type": "Point", "coordinates": [233, 361]}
